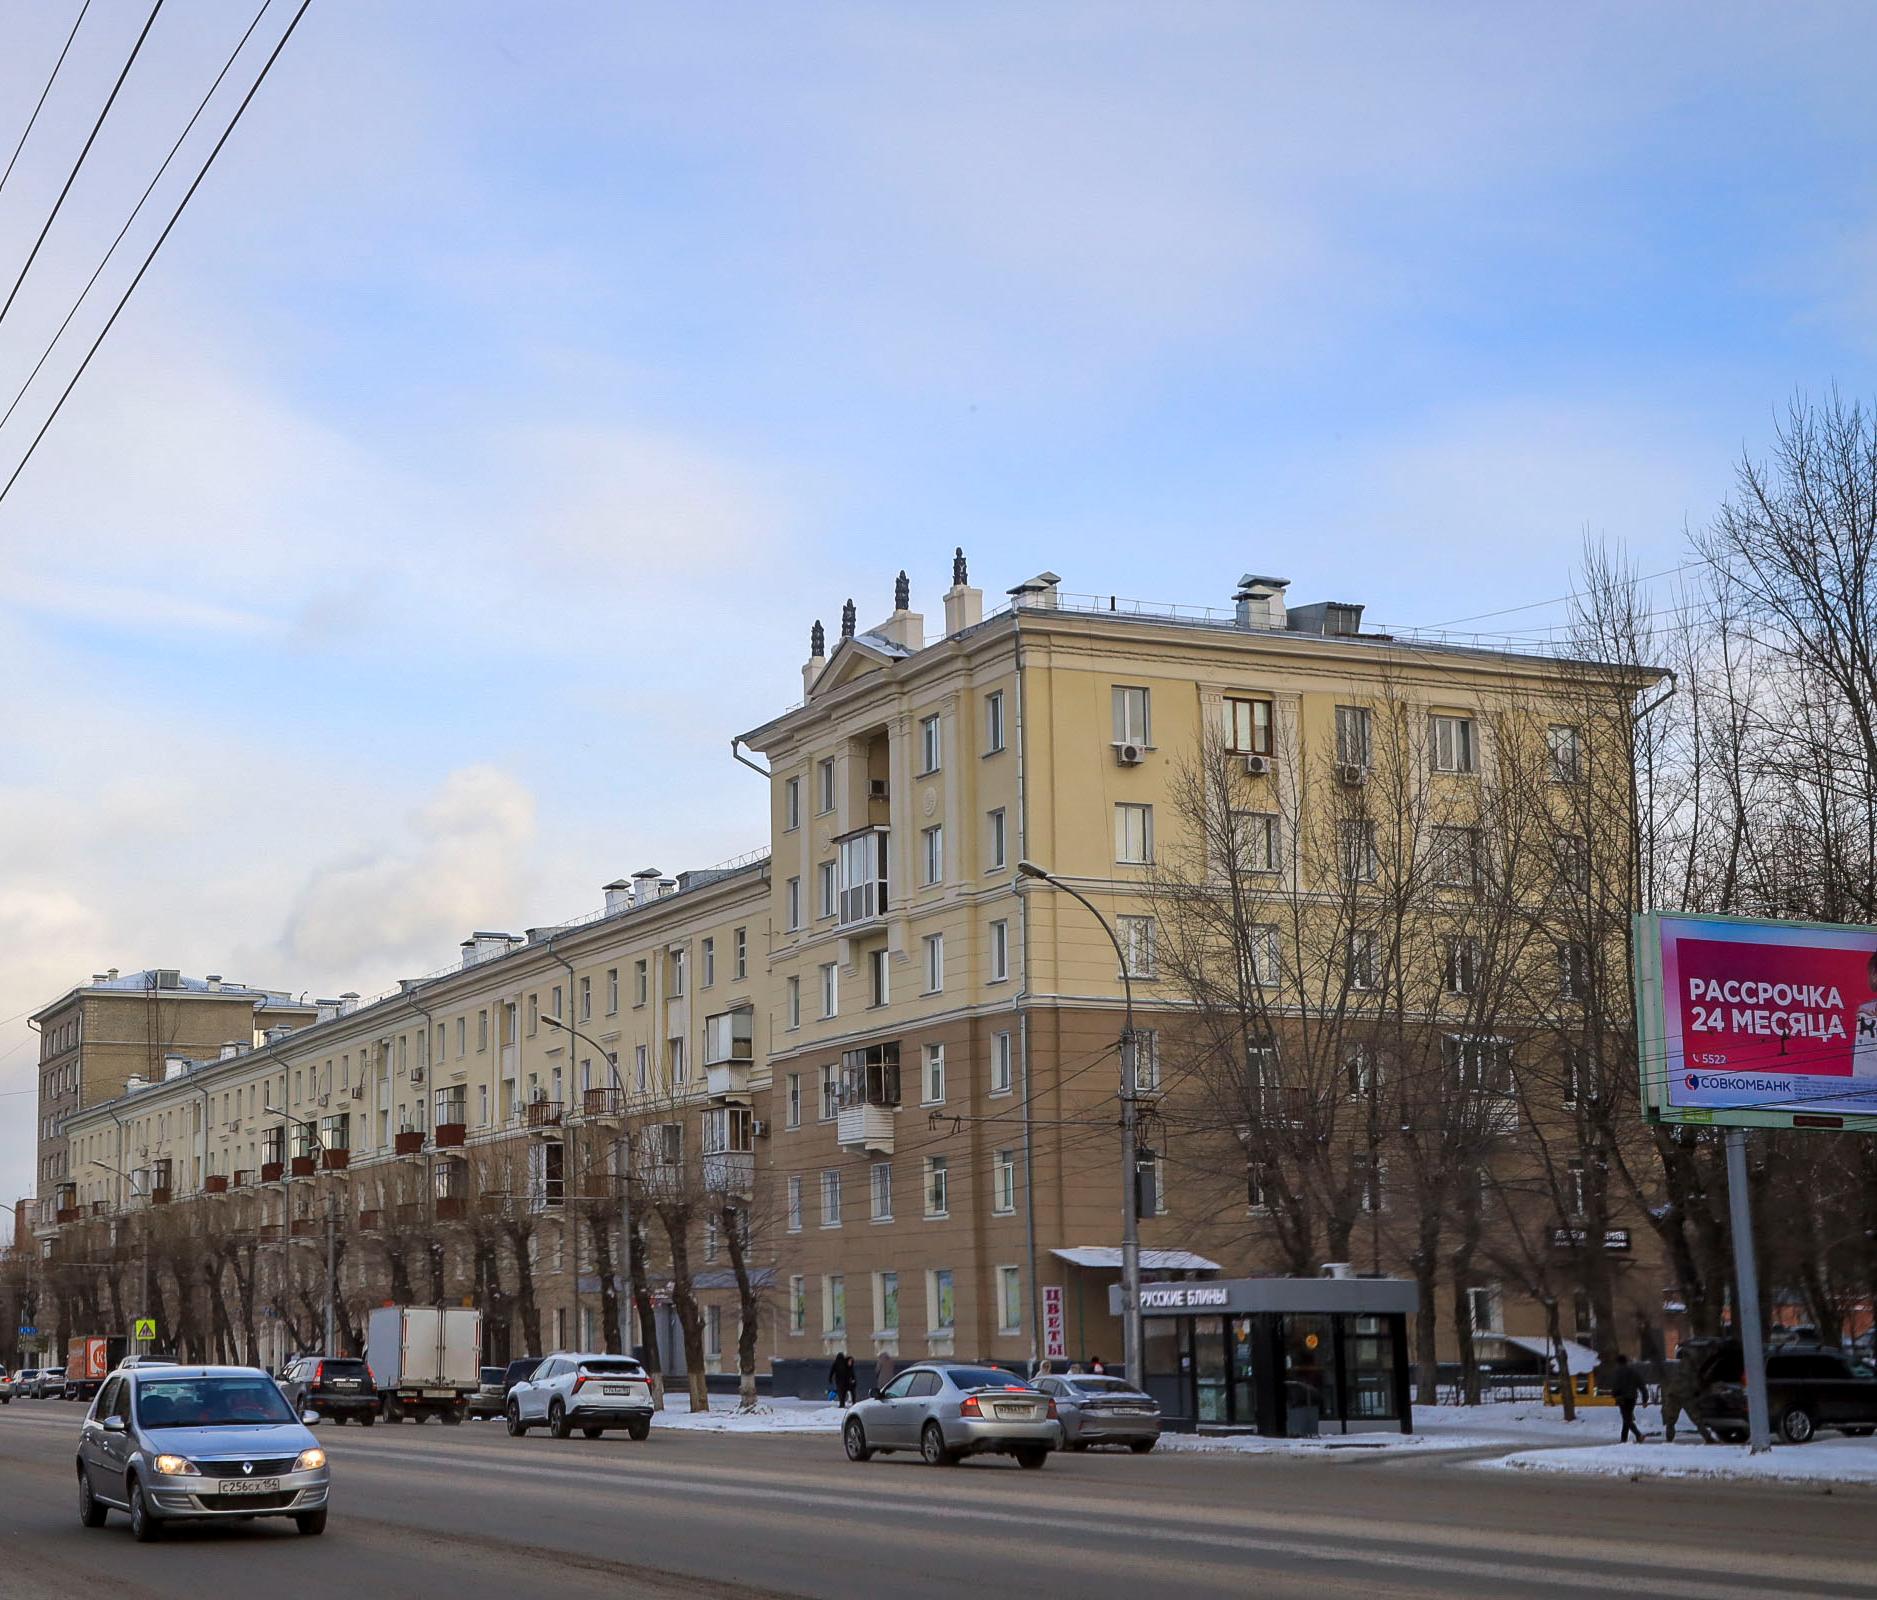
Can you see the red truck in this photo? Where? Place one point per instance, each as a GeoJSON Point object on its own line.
{"type": "Point", "coordinates": [89, 1360]}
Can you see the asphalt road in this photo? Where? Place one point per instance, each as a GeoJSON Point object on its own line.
{"type": "Point", "coordinates": [468, 1512]}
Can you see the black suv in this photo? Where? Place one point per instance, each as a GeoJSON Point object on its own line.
{"type": "Point", "coordinates": [334, 1386]}
{"type": "Point", "coordinates": [1808, 1387]}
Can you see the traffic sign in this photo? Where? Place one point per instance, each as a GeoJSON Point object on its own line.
{"type": "Point", "coordinates": [144, 1328]}
{"type": "Point", "coordinates": [29, 1333]}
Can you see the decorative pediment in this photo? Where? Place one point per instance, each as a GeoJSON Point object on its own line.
{"type": "Point", "coordinates": [853, 658]}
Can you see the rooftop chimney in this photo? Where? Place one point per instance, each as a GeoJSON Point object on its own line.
{"type": "Point", "coordinates": [645, 884]}
{"type": "Point", "coordinates": [215, 983]}
{"type": "Point", "coordinates": [348, 1002]}
{"type": "Point", "coordinates": [1335, 619]}
{"type": "Point", "coordinates": [228, 1051]}
{"type": "Point", "coordinates": [817, 657]}
{"type": "Point", "coordinates": [618, 895]}
{"type": "Point", "coordinates": [1260, 601]}
{"type": "Point", "coordinates": [1039, 592]}
{"type": "Point", "coordinates": [906, 627]}
{"type": "Point", "coordinates": [964, 605]}
{"type": "Point", "coordinates": [667, 886]}
{"type": "Point", "coordinates": [481, 946]}
{"type": "Point", "coordinates": [174, 1067]}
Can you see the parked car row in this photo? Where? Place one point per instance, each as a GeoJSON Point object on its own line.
{"type": "Point", "coordinates": [1808, 1387]}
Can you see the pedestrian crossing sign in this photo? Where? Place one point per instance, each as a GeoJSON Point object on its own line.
{"type": "Point", "coordinates": [144, 1329]}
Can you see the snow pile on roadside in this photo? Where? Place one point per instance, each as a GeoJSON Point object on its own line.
{"type": "Point", "coordinates": [779, 1415]}
{"type": "Point", "coordinates": [1823, 1461]}
{"type": "Point", "coordinates": [1328, 1444]}
{"type": "Point", "coordinates": [1517, 1421]}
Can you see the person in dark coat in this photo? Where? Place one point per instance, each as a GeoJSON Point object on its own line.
{"type": "Point", "coordinates": [841, 1378]}
{"type": "Point", "coordinates": [1681, 1397]}
{"type": "Point", "coordinates": [1625, 1388]}
{"type": "Point", "coordinates": [885, 1367]}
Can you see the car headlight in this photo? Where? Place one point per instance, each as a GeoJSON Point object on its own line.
{"type": "Point", "coordinates": [310, 1460]}
{"type": "Point", "coordinates": [176, 1467]}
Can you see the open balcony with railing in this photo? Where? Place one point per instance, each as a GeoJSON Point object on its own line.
{"type": "Point", "coordinates": [539, 1115]}
{"type": "Point", "coordinates": [604, 1104]}
{"type": "Point", "coordinates": [869, 1098]}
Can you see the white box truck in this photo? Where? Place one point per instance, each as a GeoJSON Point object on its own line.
{"type": "Point", "coordinates": [427, 1360]}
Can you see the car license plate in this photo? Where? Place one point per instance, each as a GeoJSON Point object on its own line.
{"type": "Point", "coordinates": [248, 1486]}
{"type": "Point", "coordinates": [439, 1394]}
{"type": "Point", "coordinates": [617, 1388]}
{"type": "Point", "coordinates": [1016, 1413]}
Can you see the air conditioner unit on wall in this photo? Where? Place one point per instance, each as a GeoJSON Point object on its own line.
{"type": "Point", "coordinates": [1130, 754]}
{"type": "Point", "coordinates": [1257, 766]}
{"type": "Point", "coordinates": [1352, 773]}
{"type": "Point", "coordinates": [417, 1074]}
{"type": "Point", "coordinates": [759, 1129]}
{"type": "Point", "coordinates": [876, 788]}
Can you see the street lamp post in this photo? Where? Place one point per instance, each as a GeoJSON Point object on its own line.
{"type": "Point", "coordinates": [622, 1161]}
{"type": "Point", "coordinates": [1130, 1172]}
{"type": "Point", "coordinates": [319, 1145]}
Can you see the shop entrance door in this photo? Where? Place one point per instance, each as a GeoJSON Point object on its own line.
{"type": "Point", "coordinates": [1309, 1375]}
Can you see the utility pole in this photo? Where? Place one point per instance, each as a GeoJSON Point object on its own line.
{"type": "Point", "coordinates": [1747, 1293]}
{"type": "Point", "coordinates": [1131, 1341]}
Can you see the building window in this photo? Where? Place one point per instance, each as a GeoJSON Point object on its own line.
{"type": "Point", "coordinates": [863, 880]}
{"type": "Point", "coordinates": [1367, 1173]}
{"type": "Point", "coordinates": [798, 1303]}
{"type": "Point", "coordinates": [674, 973]}
{"type": "Point", "coordinates": [1479, 1066]}
{"type": "Point", "coordinates": [707, 963]}
{"type": "Point", "coordinates": [1131, 716]}
{"type": "Point", "coordinates": [932, 1086]}
{"type": "Point", "coordinates": [1356, 841]}
{"type": "Point", "coordinates": [834, 1304]}
{"type": "Point", "coordinates": [1134, 834]}
{"type": "Point", "coordinates": [1009, 1300]}
{"type": "Point", "coordinates": [739, 945]}
{"type": "Point", "coordinates": [937, 1187]}
{"type": "Point", "coordinates": [795, 1205]}
{"type": "Point", "coordinates": [791, 804]}
{"type": "Point", "coordinates": [1352, 737]}
{"type": "Point", "coordinates": [612, 990]}
{"type": "Point", "coordinates": [1137, 945]}
{"type": "Point", "coordinates": [1248, 727]}
{"type": "Point", "coordinates": [793, 1114]}
{"type": "Point", "coordinates": [880, 1191]}
{"type": "Point", "coordinates": [1146, 1061]}
{"type": "Point", "coordinates": [792, 905]}
{"type": "Point", "coordinates": [1573, 971]}
{"type": "Point", "coordinates": [462, 1035]}
{"type": "Point", "coordinates": [886, 1302]}
{"type": "Point", "coordinates": [1259, 837]}
{"type": "Point", "coordinates": [730, 1036]}
{"type": "Point", "coordinates": [586, 999]}
{"type": "Point", "coordinates": [674, 1049]}
{"type": "Point", "coordinates": [931, 744]}
{"type": "Point", "coordinates": [1004, 1183]}
{"type": "Point", "coordinates": [993, 722]}
{"type": "Point", "coordinates": [792, 992]}
{"type": "Point", "coordinates": [1462, 966]}
{"type": "Point", "coordinates": [1565, 750]}
{"type": "Point", "coordinates": [1451, 743]}
{"type": "Point", "coordinates": [824, 785]}
{"type": "Point", "coordinates": [1573, 858]}
{"type": "Point", "coordinates": [1264, 954]}
{"type": "Point", "coordinates": [831, 1199]}
{"type": "Point", "coordinates": [830, 1092]}
{"type": "Point", "coordinates": [824, 889]}
{"type": "Point", "coordinates": [1483, 1309]}
{"type": "Point", "coordinates": [640, 983]}
{"type": "Point", "coordinates": [641, 1057]}
{"type": "Point", "coordinates": [1364, 967]}
{"type": "Point", "coordinates": [1360, 1072]}
{"type": "Point", "coordinates": [1000, 951]}
{"type": "Point", "coordinates": [1001, 1077]}
{"type": "Point", "coordinates": [940, 1305]}
{"type": "Point", "coordinates": [1457, 857]}
{"type": "Point", "coordinates": [1262, 1189]}
{"type": "Point", "coordinates": [932, 855]}
{"type": "Point", "coordinates": [934, 944]}
{"type": "Point", "coordinates": [1574, 1188]}
{"type": "Point", "coordinates": [830, 989]}
{"type": "Point", "coordinates": [997, 847]}
{"type": "Point", "coordinates": [878, 962]}
{"type": "Point", "coordinates": [1576, 1075]}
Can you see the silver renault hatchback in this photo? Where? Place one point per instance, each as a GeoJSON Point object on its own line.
{"type": "Point", "coordinates": [168, 1444]}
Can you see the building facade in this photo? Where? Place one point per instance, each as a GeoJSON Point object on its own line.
{"type": "Point", "coordinates": [885, 1061]}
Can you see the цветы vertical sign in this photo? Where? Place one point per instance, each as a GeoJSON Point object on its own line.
{"type": "Point", "coordinates": [1757, 1023]}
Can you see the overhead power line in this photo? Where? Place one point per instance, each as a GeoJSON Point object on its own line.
{"type": "Point", "coordinates": [135, 212]}
{"type": "Point", "coordinates": [175, 216]}
{"type": "Point", "coordinates": [72, 176]}
{"type": "Point", "coordinates": [51, 78]}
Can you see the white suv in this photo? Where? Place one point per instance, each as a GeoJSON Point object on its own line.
{"type": "Point", "coordinates": [588, 1392]}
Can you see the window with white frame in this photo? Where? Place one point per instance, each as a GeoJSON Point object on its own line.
{"type": "Point", "coordinates": [1009, 1300]}
{"type": "Point", "coordinates": [931, 744]}
{"type": "Point", "coordinates": [826, 900]}
{"type": "Point", "coordinates": [612, 993]}
{"type": "Point", "coordinates": [1353, 748]}
{"type": "Point", "coordinates": [933, 945]}
{"type": "Point", "coordinates": [1147, 1060]}
{"type": "Point", "coordinates": [1132, 713]}
{"type": "Point", "coordinates": [932, 855]}
{"type": "Point", "coordinates": [941, 1307]}
{"type": "Point", "coordinates": [707, 963]}
{"type": "Point", "coordinates": [1564, 748]}
{"type": "Point", "coordinates": [641, 983]}
{"type": "Point", "coordinates": [1264, 963]}
{"type": "Point", "coordinates": [641, 1067]}
{"type": "Point", "coordinates": [834, 1305]}
{"type": "Point", "coordinates": [791, 804]}
{"type": "Point", "coordinates": [1478, 1065]}
{"type": "Point", "coordinates": [1451, 742]}
{"type": "Point", "coordinates": [831, 1199]}
{"type": "Point", "coordinates": [1137, 945]}
{"type": "Point", "coordinates": [993, 722]}
{"type": "Point", "coordinates": [1369, 1178]}
{"type": "Point", "coordinates": [932, 1081]}
{"type": "Point", "coordinates": [1248, 726]}
{"type": "Point", "coordinates": [792, 1002]}
{"type": "Point", "coordinates": [1457, 857]}
{"type": "Point", "coordinates": [1364, 963]}
{"type": "Point", "coordinates": [1356, 841]}
{"type": "Point", "coordinates": [792, 905]}
{"type": "Point", "coordinates": [880, 1191]}
{"type": "Point", "coordinates": [1001, 1070]}
{"type": "Point", "coordinates": [830, 1091]}
{"type": "Point", "coordinates": [795, 1202]}
{"type": "Point", "coordinates": [1573, 971]}
{"type": "Point", "coordinates": [1576, 1075]}
{"type": "Point", "coordinates": [886, 1303]}
{"type": "Point", "coordinates": [730, 1036]}
{"type": "Point", "coordinates": [740, 958]}
{"type": "Point", "coordinates": [1263, 1189]}
{"type": "Point", "coordinates": [1259, 836]}
{"type": "Point", "coordinates": [824, 784]}
{"type": "Point", "coordinates": [830, 989]}
{"type": "Point", "coordinates": [1004, 1183]}
{"type": "Point", "coordinates": [1134, 834]}
{"type": "Point", "coordinates": [1485, 1308]}
{"type": "Point", "coordinates": [1000, 951]}
{"type": "Point", "coordinates": [878, 973]}
{"type": "Point", "coordinates": [674, 1061]}
{"type": "Point", "coordinates": [863, 875]}
{"type": "Point", "coordinates": [1361, 1075]}
{"type": "Point", "coordinates": [937, 1186]}
{"type": "Point", "coordinates": [1464, 966]}
{"type": "Point", "coordinates": [713, 1333]}
{"type": "Point", "coordinates": [792, 1113]}
{"type": "Point", "coordinates": [996, 841]}
{"type": "Point", "coordinates": [798, 1303]}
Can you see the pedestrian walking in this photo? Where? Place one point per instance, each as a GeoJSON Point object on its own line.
{"type": "Point", "coordinates": [1625, 1388]}
{"type": "Point", "coordinates": [841, 1379]}
{"type": "Point", "coordinates": [884, 1369]}
{"type": "Point", "coordinates": [1096, 1365]}
{"type": "Point", "coordinates": [1681, 1396]}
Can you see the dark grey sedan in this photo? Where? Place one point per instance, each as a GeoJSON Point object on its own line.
{"type": "Point", "coordinates": [1102, 1410]}
{"type": "Point", "coordinates": [165, 1444]}
{"type": "Point", "coordinates": [947, 1410]}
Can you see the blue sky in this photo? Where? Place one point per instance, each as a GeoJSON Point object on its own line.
{"type": "Point", "coordinates": [525, 380]}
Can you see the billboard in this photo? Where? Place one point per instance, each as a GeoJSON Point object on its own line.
{"type": "Point", "coordinates": [1745, 1023]}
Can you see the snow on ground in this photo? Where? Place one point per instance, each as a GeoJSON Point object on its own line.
{"type": "Point", "coordinates": [1824, 1460]}
{"type": "Point", "coordinates": [779, 1415]}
